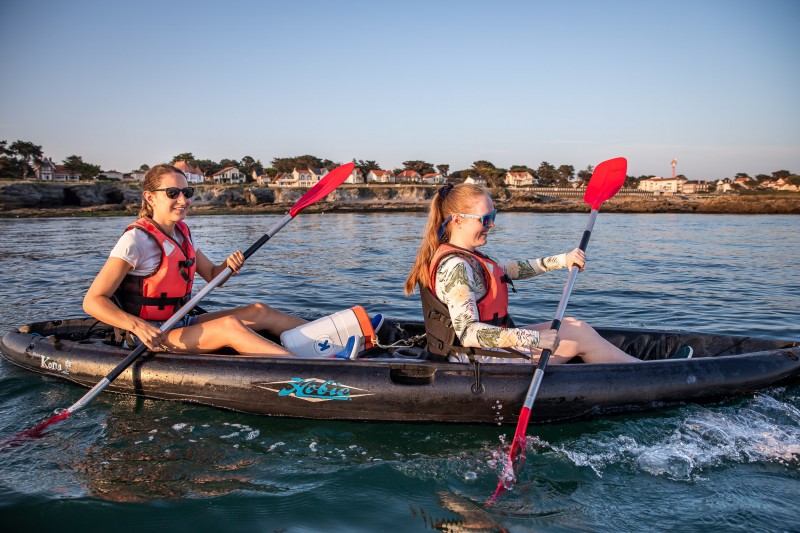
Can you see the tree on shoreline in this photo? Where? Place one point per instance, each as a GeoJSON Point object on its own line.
{"type": "Point", "coordinates": [74, 164]}
{"type": "Point", "coordinates": [17, 160]}
{"type": "Point", "coordinates": [366, 166]}
{"type": "Point", "coordinates": [420, 167]}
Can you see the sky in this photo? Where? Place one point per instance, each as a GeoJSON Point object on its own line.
{"type": "Point", "coordinates": [712, 83]}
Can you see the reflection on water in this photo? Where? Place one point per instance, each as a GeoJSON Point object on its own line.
{"type": "Point", "coordinates": [732, 466]}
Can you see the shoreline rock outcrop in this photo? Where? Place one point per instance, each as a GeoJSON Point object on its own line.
{"type": "Point", "coordinates": [37, 199]}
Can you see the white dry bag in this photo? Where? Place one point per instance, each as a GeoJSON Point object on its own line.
{"type": "Point", "coordinates": [328, 335]}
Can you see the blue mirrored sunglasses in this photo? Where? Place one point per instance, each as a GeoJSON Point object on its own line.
{"type": "Point", "coordinates": [485, 219]}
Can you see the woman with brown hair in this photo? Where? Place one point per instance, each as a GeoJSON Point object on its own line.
{"type": "Point", "coordinates": [465, 293]}
{"type": "Point", "coordinates": [149, 275]}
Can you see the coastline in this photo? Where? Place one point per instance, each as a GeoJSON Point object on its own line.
{"type": "Point", "coordinates": [98, 200]}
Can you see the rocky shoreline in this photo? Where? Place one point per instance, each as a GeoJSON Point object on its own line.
{"type": "Point", "coordinates": [36, 199]}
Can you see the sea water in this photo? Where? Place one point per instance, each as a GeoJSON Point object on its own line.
{"type": "Point", "coordinates": [130, 464]}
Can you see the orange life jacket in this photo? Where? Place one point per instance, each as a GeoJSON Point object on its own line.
{"type": "Point", "coordinates": [157, 296]}
{"type": "Point", "coordinates": [492, 307]}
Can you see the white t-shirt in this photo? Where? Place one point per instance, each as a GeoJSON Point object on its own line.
{"type": "Point", "coordinates": [141, 251]}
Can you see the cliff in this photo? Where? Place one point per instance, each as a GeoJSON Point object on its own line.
{"type": "Point", "coordinates": [30, 199]}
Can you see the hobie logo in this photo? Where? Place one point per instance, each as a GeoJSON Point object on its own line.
{"type": "Point", "coordinates": [314, 389]}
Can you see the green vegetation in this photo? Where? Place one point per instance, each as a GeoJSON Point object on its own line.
{"type": "Point", "coordinates": [18, 161]}
{"type": "Point", "coordinates": [75, 165]}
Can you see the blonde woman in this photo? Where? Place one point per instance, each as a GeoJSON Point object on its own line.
{"type": "Point", "coordinates": [465, 293]}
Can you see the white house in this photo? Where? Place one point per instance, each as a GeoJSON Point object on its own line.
{"type": "Point", "coordinates": [308, 177]}
{"type": "Point", "coordinates": [284, 179]}
{"type": "Point", "coordinates": [262, 178]}
{"type": "Point", "coordinates": [227, 175]}
{"type": "Point", "coordinates": [380, 176]}
{"type": "Point", "coordinates": [138, 175]}
{"type": "Point", "coordinates": [519, 179]}
{"type": "Point", "coordinates": [662, 185]}
{"type": "Point", "coordinates": [111, 174]}
{"type": "Point", "coordinates": [355, 177]}
{"type": "Point", "coordinates": [46, 170]}
{"type": "Point", "coordinates": [781, 184]}
{"type": "Point", "coordinates": [694, 187]}
{"type": "Point", "coordinates": [433, 178]}
{"type": "Point", "coordinates": [193, 174]}
{"type": "Point", "coordinates": [475, 181]}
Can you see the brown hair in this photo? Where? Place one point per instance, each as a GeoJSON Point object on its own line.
{"type": "Point", "coordinates": [151, 182]}
{"type": "Point", "coordinates": [448, 201]}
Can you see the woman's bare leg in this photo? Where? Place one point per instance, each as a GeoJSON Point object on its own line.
{"type": "Point", "coordinates": [577, 338]}
{"type": "Point", "coordinates": [223, 332]}
{"type": "Point", "coordinates": [235, 328]}
{"type": "Point", "coordinates": [258, 317]}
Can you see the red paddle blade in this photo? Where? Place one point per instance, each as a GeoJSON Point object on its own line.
{"type": "Point", "coordinates": [516, 452]}
{"type": "Point", "coordinates": [606, 181]}
{"type": "Point", "coordinates": [325, 186]}
{"type": "Point", "coordinates": [35, 432]}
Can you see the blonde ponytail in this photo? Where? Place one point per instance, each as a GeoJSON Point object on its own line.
{"type": "Point", "coordinates": [445, 203]}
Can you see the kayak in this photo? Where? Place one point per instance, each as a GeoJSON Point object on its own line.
{"type": "Point", "coordinates": [396, 381]}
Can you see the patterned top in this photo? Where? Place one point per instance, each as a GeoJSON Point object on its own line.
{"type": "Point", "coordinates": [460, 284]}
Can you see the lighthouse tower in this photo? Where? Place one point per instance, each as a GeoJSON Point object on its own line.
{"type": "Point", "coordinates": [674, 164]}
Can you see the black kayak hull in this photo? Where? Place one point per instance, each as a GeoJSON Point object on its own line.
{"type": "Point", "coordinates": [385, 388]}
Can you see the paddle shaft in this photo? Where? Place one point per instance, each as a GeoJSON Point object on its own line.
{"type": "Point", "coordinates": [518, 442]}
{"type": "Point", "coordinates": [179, 314]}
{"type": "Point", "coordinates": [606, 181]}
{"type": "Point", "coordinates": [538, 374]}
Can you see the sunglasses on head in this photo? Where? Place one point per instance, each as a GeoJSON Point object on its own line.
{"type": "Point", "coordinates": [486, 219]}
{"type": "Point", "coordinates": [173, 192]}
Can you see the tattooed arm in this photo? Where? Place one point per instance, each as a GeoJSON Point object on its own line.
{"type": "Point", "coordinates": [459, 284]}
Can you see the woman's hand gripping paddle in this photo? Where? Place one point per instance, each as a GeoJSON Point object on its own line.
{"type": "Point", "coordinates": [606, 181]}
{"type": "Point", "coordinates": [325, 186]}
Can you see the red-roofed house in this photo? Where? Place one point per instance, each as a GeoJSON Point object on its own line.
{"type": "Point", "coordinates": [62, 174]}
{"type": "Point", "coordinates": [193, 174]}
{"type": "Point", "coordinates": [380, 176]}
{"type": "Point", "coordinates": [408, 176]}
{"type": "Point", "coordinates": [519, 179]}
{"type": "Point", "coordinates": [46, 170]}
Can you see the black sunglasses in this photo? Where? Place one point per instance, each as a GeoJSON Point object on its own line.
{"type": "Point", "coordinates": [173, 192]}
